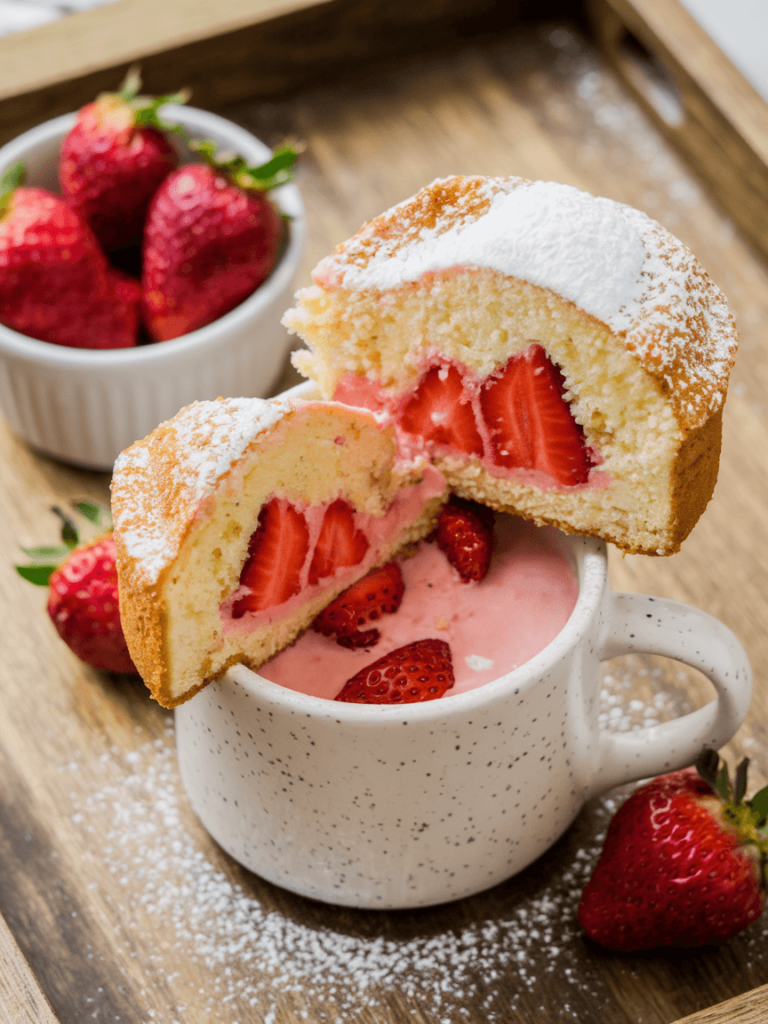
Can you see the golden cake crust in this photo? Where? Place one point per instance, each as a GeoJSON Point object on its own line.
{"type": "Point", "coordinates": [675, 320]}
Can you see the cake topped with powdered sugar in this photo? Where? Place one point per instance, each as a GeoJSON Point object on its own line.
{"type": "Point", "coordinates": [239, 520]}
{"type": "Point", "coordinates": [610, 260]}
{"type": "Point", "coordinates": [558, 355]}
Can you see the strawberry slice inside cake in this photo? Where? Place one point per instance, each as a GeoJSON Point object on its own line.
{"type": "Point", "coordinates": [529, 423]}
{"type": "Point", "coordinates": [515, 419]}
{"type": "Point", "coordinates": [277, 551]}
{"type": "Point", "coordinates": [440, 413]}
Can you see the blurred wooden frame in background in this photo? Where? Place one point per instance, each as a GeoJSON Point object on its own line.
{"type": "Point", "coordinates": [231, 51]}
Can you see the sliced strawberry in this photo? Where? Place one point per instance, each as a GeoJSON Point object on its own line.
{"type": "Point", "coordinates": [379, 593]}
{"type": "Point", "coordinates": [356, 641]}
{"type": "Point", "coordinates": [440, 413]}
{"type": "Point", "coordinates": [339, 544]}
{"type": "Point", "coordinates": [465, 535]}
{"type": "Point", "coordinates": [417, 672]}
{"type": "Point", "coordinates": [276, 554]}
{"type": "Point", "coordinates": [529, 421]}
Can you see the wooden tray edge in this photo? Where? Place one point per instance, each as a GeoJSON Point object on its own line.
{"type": "Point", "coordinates": [749, 1008]}
{"type": "Point", "coordinates": [22, 1001]}
{"type": "Point", "coordinates": [721, 126]}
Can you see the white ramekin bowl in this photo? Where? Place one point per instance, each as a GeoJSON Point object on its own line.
{"type": "Point", "coordinates": [85, 406]}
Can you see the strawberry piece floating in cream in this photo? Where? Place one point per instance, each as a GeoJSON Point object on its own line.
{"type": "Point", "coordinates": [491, 627]}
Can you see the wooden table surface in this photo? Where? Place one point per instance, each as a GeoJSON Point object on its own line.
{"type": "Point", "coordinates": [117, 905]}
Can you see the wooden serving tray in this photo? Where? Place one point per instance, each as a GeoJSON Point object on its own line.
{"type": "Point", "coordinates": [116, 903]}
{"type": "Point", "coordinates": [243, 50]}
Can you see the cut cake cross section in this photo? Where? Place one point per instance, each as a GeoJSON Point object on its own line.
{"type": "Point", "coordinates": [559, 356]}
{"type": "Point", "coordinates": [239, 520]}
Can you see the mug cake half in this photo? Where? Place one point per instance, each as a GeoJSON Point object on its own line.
{"type": "Point", "coordinates": [557, 355]}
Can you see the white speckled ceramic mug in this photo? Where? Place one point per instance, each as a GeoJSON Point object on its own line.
{"type": "Point", "coordinates": [394, 807]}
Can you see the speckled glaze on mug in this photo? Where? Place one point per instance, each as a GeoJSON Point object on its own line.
{"type": "Point", "coordinates": [396, 807]}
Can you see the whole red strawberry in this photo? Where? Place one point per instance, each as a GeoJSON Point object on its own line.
{"type": "Point", "coordinates": [82, 594]}
{"type": "Point", "coordinates": [683, 863]}
{"type": "Point", "coordinates": [55, 283]}
{"type": "Point", "coordinates": [212, 237]}
{"type": "Point", "coordinates": [465, 536]}
{"type": "Point", "coordinates": [378, 593]}
{"type": "Point", "coordinates": [113, 160]}
{"type": "Point", "coordinates": [414, 673]}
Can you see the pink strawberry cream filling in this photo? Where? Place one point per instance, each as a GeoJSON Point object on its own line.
{"type": "Point", "coordinates": [377, 531]}
{"type": "Point", "coordinates": [516, 422]}
{"type": "Point", "coordinates": [491, 627]}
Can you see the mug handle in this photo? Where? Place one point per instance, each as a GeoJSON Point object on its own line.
{"type": "Point", "coordinates": [636, 624]}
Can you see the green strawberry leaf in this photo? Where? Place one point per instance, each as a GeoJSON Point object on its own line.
{"type": "Point", "coordinates": [99, 516]}
{"type": "Point", "coordinates": [282, 160]}
{"type": "Point", "coordinates": [146, 108]}
{"type": "Point", "coordinates": [40, 575]}
{"type": "Point", "coordinates": [69, 532]}
{"type": "Point", "coordinates": [275, 172]}
{"type": "Point", "coordinates": [131, 84]}
{"type": "Point", "coordinates": [47, 557]}
{"type": "Point", "coordinates": [707, 764]}
{"type": "Point", "coordinates": [10, 180]}
{"type": "Point", "coordinates": [207, 149]}
{"type": "Point", "coordinates": [740, 782]}
{"type": "Point", "coordinates": [47, 553]}
{"type": "Point", "coordinates": [723, 784]}
{"type": "Point", "coordinates": [759, 804]}
{"type": "Point", "coordinates": [148, 114]}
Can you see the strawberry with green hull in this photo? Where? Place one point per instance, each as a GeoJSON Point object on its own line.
{"type": "Point", "coordinates": [82, 592]}
{"type": "Point", "coordinates": [684, 862]}
{"type": "Point", "coordinates": [113, 160]}
{"type": "Point", "coordinates": [55, 282]}
{"type": "Point", "coordinates": [212, 237]}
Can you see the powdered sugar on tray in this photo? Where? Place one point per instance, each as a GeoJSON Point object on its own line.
{"type": "Point", "coordinates": [253, 957]}
{"type": "Point", "coordinates": [248, 955]}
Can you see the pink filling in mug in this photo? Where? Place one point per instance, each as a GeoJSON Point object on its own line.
{"type": "Point", "coordinates": [407, 806]}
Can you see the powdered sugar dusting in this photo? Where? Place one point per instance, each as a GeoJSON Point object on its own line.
{"type": "Point", "coordinates": [212, 435]}
{"type": "Point", "coordinates": [191, 452]}
{"type": "Point", "coordinates": [552, 235]}
{"type": "Point", "coordinates": [248, 954]}
{"type": "Point", "coordinates": [257, 955]}
{"type": "Point", "coordinates": [609, 259]}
